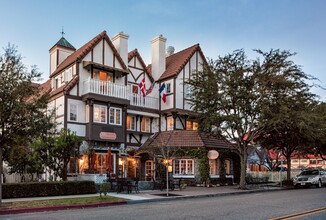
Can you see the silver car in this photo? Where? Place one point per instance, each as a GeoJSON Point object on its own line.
{"type": "Point", "coordinates": [310, 177]}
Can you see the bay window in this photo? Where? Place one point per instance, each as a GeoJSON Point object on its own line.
{"type": "Point", "coordinates": [72, 112]}
{"type": "Point", "coordinates": [115, 116]}
{"type": "Point", "coordinates": [99, 114]}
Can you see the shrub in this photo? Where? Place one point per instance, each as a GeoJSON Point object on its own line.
{"type": "Point", "coordinates": [33, 189]}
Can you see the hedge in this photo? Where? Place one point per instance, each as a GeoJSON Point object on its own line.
{"type": "Point", "coordinates": [38, 189]}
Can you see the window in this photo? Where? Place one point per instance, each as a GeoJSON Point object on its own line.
{"type": "Point", "coordinates": [295, 161]}
{"type": "Point", "coordinates": [115, 116]}
{"type": "Point", "coordinates": [134, 89]}
{"type": "Point", "coordinates": [145, 125]}
{"type": "Point", "coordinates": [149, 169]}
{"type": "Point", "coordinates": [169, 123]}
{"type": "Point", "coordinates": [183, 167]}
{"type": "Point", "coordinates": [213, 167]}
{"type": "Point", "coordinates": [320, 162]}
{"type": "Point", "coordinates": [168, 88]}
{"type": "Point", "coordinates": [313, 161]}
{"type": "Point", "coordinates": [192, 125]}
{"type": "Point", "coordinates": [103, 76]}
{"type": "Point", "coordinates": [131, 122]}
{"type": "Point", "coordinates": [227, 166]}
{"type": "Point", "coordinates": [187, 91]}
{"type": "Point", "coordinates": [73, 112]}
{"type": "Point", "coordinates": [99, 113]}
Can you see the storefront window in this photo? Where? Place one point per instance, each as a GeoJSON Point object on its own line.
{"type": "Point", "coordinates": [183, 167]}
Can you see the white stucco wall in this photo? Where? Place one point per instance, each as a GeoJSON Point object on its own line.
{"type": "Point", "coordinates": [98, 53]}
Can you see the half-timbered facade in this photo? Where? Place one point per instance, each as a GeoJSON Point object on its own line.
{"type": "Point", "coordinates": [95, 92]}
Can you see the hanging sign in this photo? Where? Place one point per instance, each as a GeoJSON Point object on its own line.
{"type": "Point", "coordinates": [212, 154]}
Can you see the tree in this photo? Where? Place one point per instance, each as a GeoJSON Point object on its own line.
{"type": "Point", "coordinates": [22, 104]}
{"type": "Point", "coordinates": [318, 118]}
{"type": "Point", "coordinates": [57, 151]}
{"type": "Point", "coordinates": [243, 100]}
{"type": "Point", "coordinates": [225, 95]}
{"type": "Point", "coordinates": [286, 104]}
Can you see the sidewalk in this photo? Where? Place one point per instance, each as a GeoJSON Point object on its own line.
{"type": "Point", "coordinates": [143, 196]}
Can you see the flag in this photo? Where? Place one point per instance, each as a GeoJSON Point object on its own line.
{"type": "Point", "coordinates": [162, 92]}
{"type": "Point", "coordinates": [149, 90]}
{"type": "Point", "coordinates": [142, 87]}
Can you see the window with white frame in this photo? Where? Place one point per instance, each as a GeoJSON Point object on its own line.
{"type": "Point", "coordinates": [73, 112]}
{"type": "Point", "coordinates": [115, 116]}
{"type": "Point", "coordinates": [169, 123]}
{"type": "Point", "coordinates": [145, 124]}
{"type": "Point", "coordinates": [168, 88]}
{"type": "Point", "coordinates": [131, 122]}
{"type": "Point", "coordinates": [100, 114]}
{"type": "Point", "coordinates": [183, 167]}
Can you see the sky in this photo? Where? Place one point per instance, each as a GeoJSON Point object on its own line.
{"type": "Point", "coordinates": [219, 26]}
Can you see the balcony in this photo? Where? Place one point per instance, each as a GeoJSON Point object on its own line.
{"type": "Point", "coordinates": [110, 89]}
{"type": "Point", "coordinates": [146, 102]}
{"type": "Point", "coordinates": [105, 88]}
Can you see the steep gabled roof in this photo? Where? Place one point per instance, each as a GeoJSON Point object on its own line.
{"type": "Point", "coordinates": [84, 50]}
{"type": "Point", "coordinates": [135, 54]}
{"type": "Point", "coordinates": [176, 62]}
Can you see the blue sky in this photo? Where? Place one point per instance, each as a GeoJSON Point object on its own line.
{"type": "Point", "coordinates": [219, 26]}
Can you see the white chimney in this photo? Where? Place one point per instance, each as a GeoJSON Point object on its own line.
{"type": "Point", "coordinates": [158, 56]}
{"type": "Point", "coordinates": [120, 42]}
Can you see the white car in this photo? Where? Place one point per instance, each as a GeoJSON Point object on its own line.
{"type": "Point", "coordinates": [310, 177]}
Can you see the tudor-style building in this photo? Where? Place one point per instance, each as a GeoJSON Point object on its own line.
{"type": "Point", "coordinates": [95, 92]}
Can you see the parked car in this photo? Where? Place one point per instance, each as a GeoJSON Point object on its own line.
{"type": "Point", "coordinates": [310, 177]}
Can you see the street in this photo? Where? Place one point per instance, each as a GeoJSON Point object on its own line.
{"type": "Point", "coordinates": [266, 205]}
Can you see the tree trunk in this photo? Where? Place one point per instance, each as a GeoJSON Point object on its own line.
{"type": "Point", "coordinates": [243, 160]}
{"type": "Point", "coordinates": [1, 172]}
{"type": "Point", "coordinates": [288, 163]}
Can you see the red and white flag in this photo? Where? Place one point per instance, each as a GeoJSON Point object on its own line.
{"type": "Point", "coordinates": [142, 87]}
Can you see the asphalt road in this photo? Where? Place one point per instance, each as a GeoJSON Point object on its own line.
{"type": "Point", "coordinates": [265, 205]}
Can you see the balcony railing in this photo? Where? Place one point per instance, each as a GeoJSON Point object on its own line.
{"type": "Point", "coordinates": [105, 88]}
{"type": "Point", "coordinates": [147, 102]}
{"type": "Point", "coordinates": [118, 91]}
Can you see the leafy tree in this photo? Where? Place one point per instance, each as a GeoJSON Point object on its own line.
{"type": "Point", "coordinates": [56, 151]}
{"type": "Point", "coordinates": [286, 104]}
{"type": "Point", "coordinates": [22, 104]}
{"type": "Point", "coordinates": [318, 120]}
{"type": "Point", "coordinates": [243, 99]}
{"type": "Point", "coordinates": [225, 95]}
